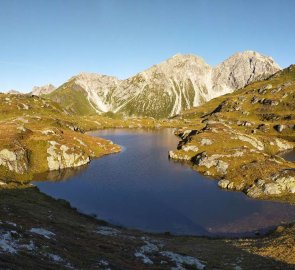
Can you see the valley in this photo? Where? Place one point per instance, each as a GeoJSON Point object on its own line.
{"type": "Point", "coordinates": [237, 139]}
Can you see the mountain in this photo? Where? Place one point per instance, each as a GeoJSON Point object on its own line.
{"type": "Point", "coordinates": [239, 138]}
{"type": "Point", "coordinates": [164, 90]}
{"type": "Point", "coordinates": [43, 90]}
{"type": "Point", "coordinates": [14, 92]}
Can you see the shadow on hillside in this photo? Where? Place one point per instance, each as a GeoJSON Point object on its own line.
{"type": "Point", "coordinates": [28, 208]}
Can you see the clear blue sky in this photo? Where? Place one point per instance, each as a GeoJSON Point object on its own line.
{"type": "Point", "coordinates": [48, 41]}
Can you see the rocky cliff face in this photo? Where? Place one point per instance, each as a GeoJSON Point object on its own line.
{"type": "Point", "coordinates": [242, 69]}
{"type": "Point", "coordinates": [164, 90]}
{"type": "Point", "coordinates": [43, 90]}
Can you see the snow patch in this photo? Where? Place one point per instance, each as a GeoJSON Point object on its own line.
{"type": "Point", "coordinates": [181, 260]}
{"type": "Point", "coordinates": [146, 249]}
{"type": "Point", "coordinates": [47, 234]}
{"type": "Point", "coordinates": [9, 243]}
{"type": "Point", "coordinates": [107, 231]}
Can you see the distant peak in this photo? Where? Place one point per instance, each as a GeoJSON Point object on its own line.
{"type": "Point", "coordinates": [44, 89]}
{"type": "Point", "coordinates": [91, 75]}
{"type": "Point", "coordinates": [185, 58]}
{"type": "Point", "coordinates": [252, 55]}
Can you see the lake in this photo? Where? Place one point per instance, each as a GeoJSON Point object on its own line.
{"type": "Point", "coordinates": [290, 155]}
{"type": "Point", "coordinates": [141, 188]}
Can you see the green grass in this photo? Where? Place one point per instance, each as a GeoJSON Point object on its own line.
{"type": "Point", "coordinates": [72, 98]}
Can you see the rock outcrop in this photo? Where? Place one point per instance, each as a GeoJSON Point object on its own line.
{"type": "Point", "coordinates": [61, 157]}
{"type": "Point", "coordinates": [14, 160]}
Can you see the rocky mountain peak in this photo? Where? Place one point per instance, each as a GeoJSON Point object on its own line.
{"type": "Point", "coordinates": [14, 92]}
{"type": "Point", "coordinates": [93, 76]}
{"type": "Point", "coordinates": [43, 90]}
{"type": "Point", "coordinates": [243, 68]}
{"type": "Point", "coordinates": [179, 83]}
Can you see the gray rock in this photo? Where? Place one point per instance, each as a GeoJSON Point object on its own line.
{"type": "Point", "coordinates": [286, 183]}
{"type": "Point", "coordinates": [203, 159]}
{"type": "Point", "coordinates": [223, 183]}
{"type": "Point", "coordinates": [178, 156]}
{"type": "Point", "coordinates": [61, 157]}
{"type": "Point", "coordinates": [279, 128]}
{"type": "Point", "coordinates": [15, 160]}
{"type": "Point", "coordinates": [222, 167]}
{"type": "Point", "coordinates": [272, 189]}
{"type": "Point", "coordinates": [181, 78]}
{"type": "Point", "coordinates": [206, 141]}
{"type": "Point", "coordinates": [254, 192]}
{"type": "Point", "coordinates": [187, 148]}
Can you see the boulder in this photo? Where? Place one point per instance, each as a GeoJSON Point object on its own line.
{"type": "Point", "coordinates": [61, 157]}
{"type": "Point", "coordinates": [223, 183]}
{"type": "Point", "coordinates": [14, 160]}
{"type": "Point", "coordinates": [187, 148]}
{"type": "Point", "coordinates": [179, 156]}
{"type": "Point", "coordinates": [206, 141]}
{"type": "Point", "coordinates": [272, 189]}
{"type": "Point", "coordinates": [279, 128]}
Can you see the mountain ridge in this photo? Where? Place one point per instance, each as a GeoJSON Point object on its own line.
{"type": "Point", "coordinates": [164, 90]}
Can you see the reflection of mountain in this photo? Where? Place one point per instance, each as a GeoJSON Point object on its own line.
{"type": "Point", "coordinates": [59, 176]}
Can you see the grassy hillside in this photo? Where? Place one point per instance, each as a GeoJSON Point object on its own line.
{"type": "Point", "coordinates": [73, 98]}
{"type": "Point", "coordinates": [38, 135]}
{"type": "Point", "coordinates": [238, 138]}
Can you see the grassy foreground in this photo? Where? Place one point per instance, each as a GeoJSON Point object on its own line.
{"type": "Point", "coordinates": [38, 232]}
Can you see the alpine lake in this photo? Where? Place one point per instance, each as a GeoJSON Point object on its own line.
{"type": "Point", "coordinates": [140, 188]}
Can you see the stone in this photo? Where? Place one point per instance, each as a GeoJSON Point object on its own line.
{"type": "Point", "coordinates": [231, 185]}
{"type": "Point", "coordinates": [206, 141]}
{"type": "Point", "coordinates": [16, 160]}
{"type": "Point", "coordinates": [187, 148]}
{"type": "Point", "coordinates": [279, 128]}
{"type": "Point", "coordinates": [223, 183]}
{"type": "Point", "coordinates": [178, 155]}
{"type": "Point", "coordinates": [251, 140]}
{"type": "Point", "coordinates": [254, 192]}
{"type": "Point", "coordinates": [286, 183]}
{"type": "Point", "coordinates": [222, 167]}
{"type": "Point", "coordinates": [283, 145]}
{"type": "Point", "coordinates": [254, 100]}
{"type": "Point", "coordinates": [61, 157]}
{"type": "Point", "coordinates": [272, 189]}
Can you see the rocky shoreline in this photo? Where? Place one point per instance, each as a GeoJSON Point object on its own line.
{"type": "Point", "coordinates": [238, 161]}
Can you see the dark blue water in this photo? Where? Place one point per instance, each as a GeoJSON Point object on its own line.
{"type": "Point", "coordinates": [290, 155]}
{"type": "Point", "coordinates": [140, 188]}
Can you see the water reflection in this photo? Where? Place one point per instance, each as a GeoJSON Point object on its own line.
{"type": "Point", "coordinates": [140, 188]}
{"type": "Point", "coordinates": [61, 175]}
{"type": "Point", "coordinates": [290, 156]}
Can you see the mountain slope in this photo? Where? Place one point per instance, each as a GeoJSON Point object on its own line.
{"type": "Point", "coordinates": [166, 89]}
{"type": "Point", "coordinates": [238, 138]}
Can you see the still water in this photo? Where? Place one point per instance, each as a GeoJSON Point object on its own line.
{"type": "Point", "coordinates": [290, 155]}
{"type": "Point", "coordinates": [140, 188]}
